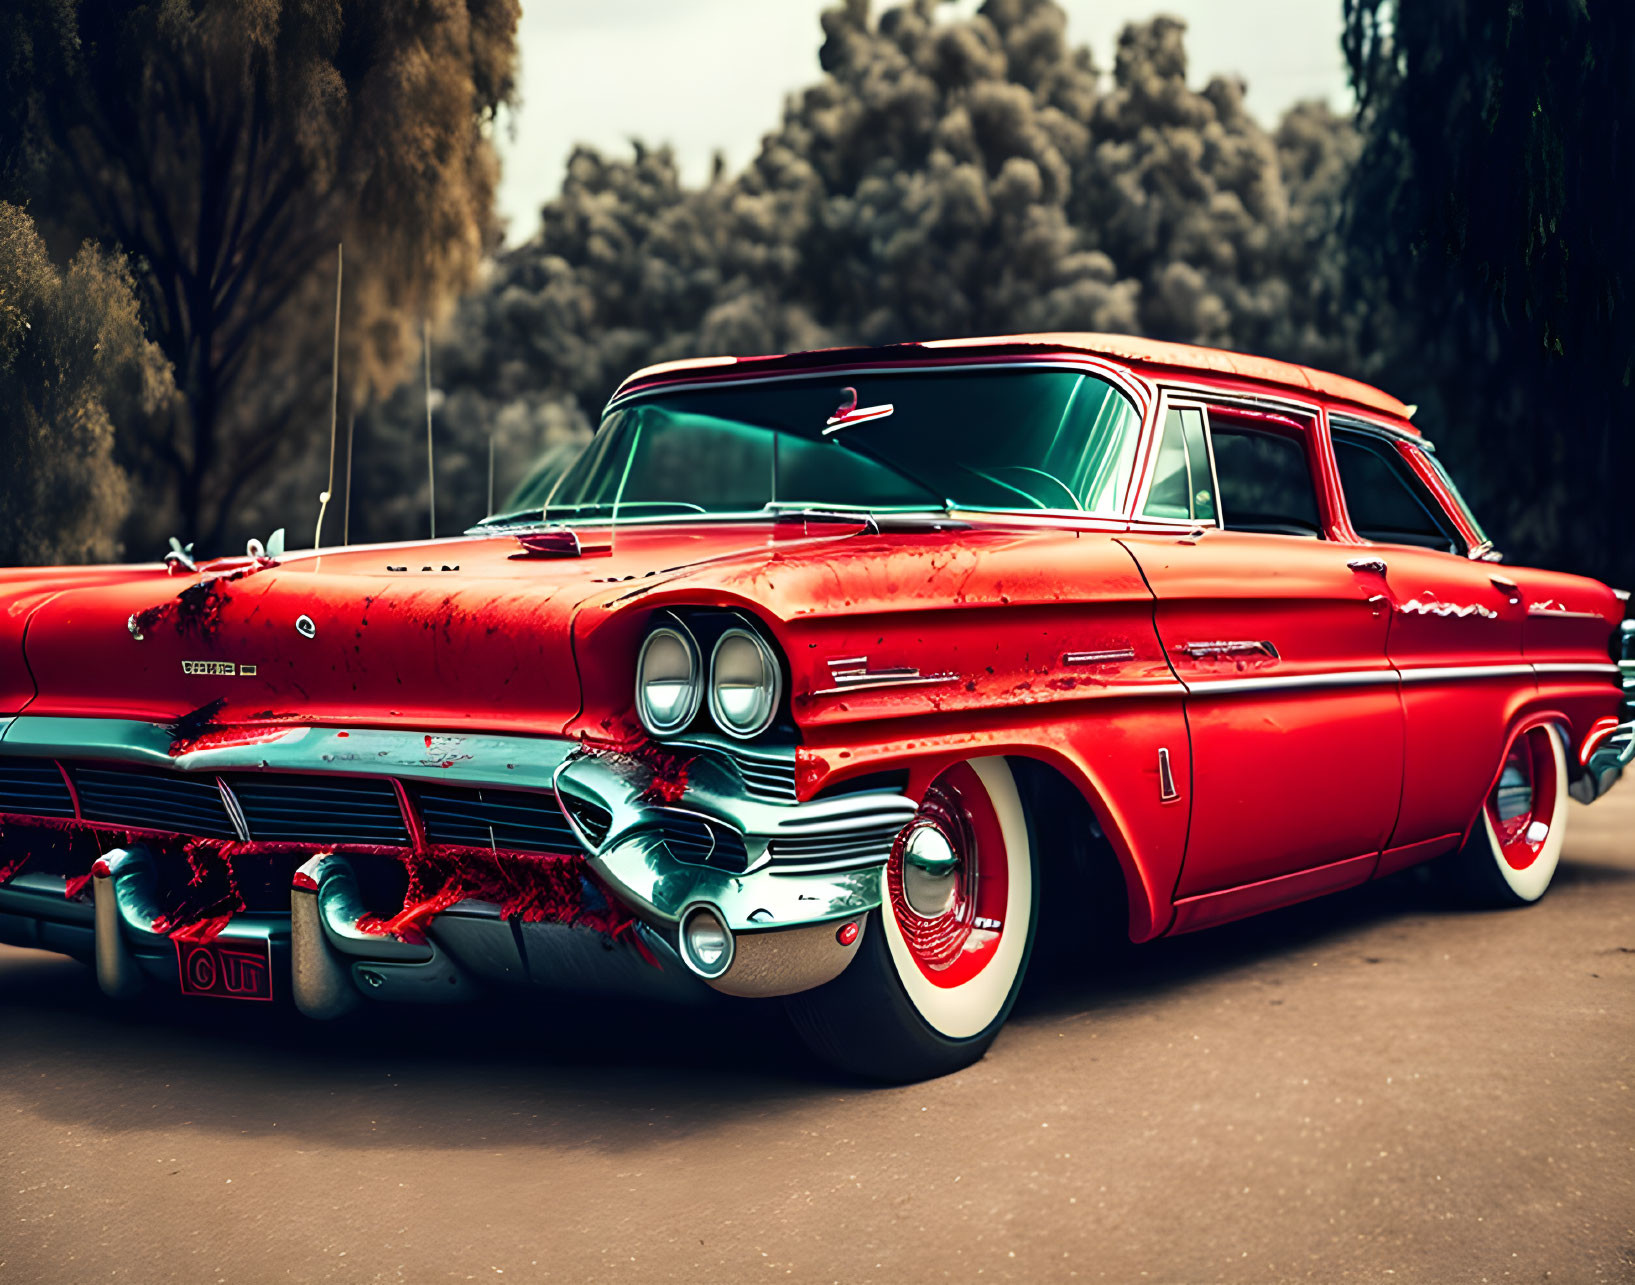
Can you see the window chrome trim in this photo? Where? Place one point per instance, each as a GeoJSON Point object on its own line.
{"type": "Point", "coordinates": [1143, 392]}
{"type": "Point", "coordinates": [1352, 420]}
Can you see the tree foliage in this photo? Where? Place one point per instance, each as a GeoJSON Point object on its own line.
{"type": "Point", "coordinates": [73, 357]}
{"type": "Point", "coordinates": [943, 178]}
{"type": "Point", "coordinates": [228, 147]}
{"type": "Point", "coordinates": [1489, 214]}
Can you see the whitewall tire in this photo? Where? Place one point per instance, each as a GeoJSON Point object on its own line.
{"type": "Point", "coordinates": [943, 957]}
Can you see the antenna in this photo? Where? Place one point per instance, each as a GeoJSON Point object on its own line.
{"type": "Point", "coordinates": [431, 467]}
{"type": "Point", "coordinates": [346, 507]}
{"type": "Point", "coordinates": [334, 403]}
{"type": "Point", "coordinates": [490, 473]}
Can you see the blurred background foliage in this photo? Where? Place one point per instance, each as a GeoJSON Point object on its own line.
{"type": "Point", "coordinates": [1456, 241]}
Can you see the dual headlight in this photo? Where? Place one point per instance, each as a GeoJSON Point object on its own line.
{"type": "Point", "coordinates": [743, 684]}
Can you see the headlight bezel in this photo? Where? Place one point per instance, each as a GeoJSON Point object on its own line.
{"type": "Point", "coordinates": [772, 690]}
{"type": "Point", "coordinates": [698, 678]}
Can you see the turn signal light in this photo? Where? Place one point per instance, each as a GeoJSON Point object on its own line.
{"type": "Point", "coordinates": [848, 933]}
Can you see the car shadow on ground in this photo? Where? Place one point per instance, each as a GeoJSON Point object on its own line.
{"type": "Point", "coordinates": [1119, 974]}
{"type": "Point", "coordinates": [604, 1073]}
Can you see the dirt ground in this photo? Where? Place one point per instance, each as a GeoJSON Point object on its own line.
{"type": "Point", "coordinates": [1371, 1087]}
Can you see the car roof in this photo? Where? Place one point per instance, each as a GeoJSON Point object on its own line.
{"type": "Point", "coordinates": [1156, 357]}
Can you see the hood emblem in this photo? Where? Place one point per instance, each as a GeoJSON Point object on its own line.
{"type": "Point", "coordinates": [305, 627]}
{"type": "Point", "coordinates": [849, 412]}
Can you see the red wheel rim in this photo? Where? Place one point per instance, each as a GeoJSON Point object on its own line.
{"type": "Point", "coordinates": [957, 942]}
{"type": "Point", "coordinates": [1522, 803]}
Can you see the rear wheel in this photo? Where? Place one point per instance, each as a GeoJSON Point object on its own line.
{"type": "Point", "coordinates": [1515, 845]}
{"type": "Point", "coordinates": [942, 960]}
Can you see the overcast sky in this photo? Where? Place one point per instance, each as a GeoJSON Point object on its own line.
{"type": "Point", "coordinates": [712, 74]}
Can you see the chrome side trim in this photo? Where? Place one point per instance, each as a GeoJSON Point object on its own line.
{"type": "Point", "coordinates": [1440, 673]}
{"type": "Point", "coordinates": [1230, 647]}
{"type": "Point", "coordinates": [1426, 606]}
{"type": "Point", "coordinates": [1550, 608]}
{"type": "Point", "coordinates": [851, 673]}
{"type": "Point", "coordinates": [1167, 793]}
{"type": "Point", "coordinates": [1110, 656]}
{"type": "Point", "coordinates": [1290, 682]}
{"type": "Point", "coordinates": [1583, 667]}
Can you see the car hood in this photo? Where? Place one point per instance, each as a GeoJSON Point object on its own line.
{"type": "Point", "coordinates": [470, 632]}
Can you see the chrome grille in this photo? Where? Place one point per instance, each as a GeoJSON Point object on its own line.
{"type": "Point", "coordinates": [514, 819]}
{"type": "Point", "coordinates": [835, 849]}
{"type": "Point", "coordinates": [700, 842]}
{"type": "Point", "coordinates": [287, 808]}
{"type": "Point", "coordinates": [149, 800]}
{"type": "Point", "coordinates": [33, 787]}
{"type": "Point", "coordinates": [767, 778]}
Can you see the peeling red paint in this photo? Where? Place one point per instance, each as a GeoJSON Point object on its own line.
{"type": "Point", "coordinates": [212, 895]}
{"type": "Point", "coordinates": [532, 887]}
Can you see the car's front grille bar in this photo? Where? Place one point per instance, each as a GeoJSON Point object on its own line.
{"type": "Point", "coordinates": [310, 810]}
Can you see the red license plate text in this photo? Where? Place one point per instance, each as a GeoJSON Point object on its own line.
{"type": "Point", "coordinates": [225, 969]}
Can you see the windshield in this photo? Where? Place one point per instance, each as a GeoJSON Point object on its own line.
{"type": "Point", "coordinates": [1014, 439]}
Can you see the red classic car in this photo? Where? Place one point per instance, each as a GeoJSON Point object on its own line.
{"type": "Point", "coordinates": [817, 676]}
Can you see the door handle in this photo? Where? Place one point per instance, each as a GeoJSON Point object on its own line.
{"type": "Point", "coordinates": [1367, 564]}
{"type": "Point", "coordinates": [1509, 588]}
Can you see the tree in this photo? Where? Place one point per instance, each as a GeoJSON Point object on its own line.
{"type": "Point", "coordinates": [1488, 211]}
{"type": "Point", "coordinates": [72, 356]}
{"type": "Point", "coordinates": [944, 177]}
{"type": "Point", "coordinates": [228, 148]}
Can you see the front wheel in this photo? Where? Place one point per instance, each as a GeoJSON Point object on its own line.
{"type": "Point", "coordinates": [942, 960]}
{"type": "Point", "coordinates": [1515, 845]}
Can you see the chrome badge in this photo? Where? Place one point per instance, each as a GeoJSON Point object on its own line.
{"type": "Point", "coordinates": [217, 669]}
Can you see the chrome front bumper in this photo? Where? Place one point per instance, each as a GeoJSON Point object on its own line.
{"type": "Point", "coordinates": [723, 832]}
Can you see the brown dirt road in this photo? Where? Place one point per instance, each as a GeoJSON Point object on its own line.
{"type": "Point", "coordinates": [1367, 1088]}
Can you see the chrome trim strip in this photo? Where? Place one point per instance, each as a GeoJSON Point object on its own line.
{"type": "Point", "coordinates": [1110, 656]}
{"type": "Point", "coordinates": [1436, 673]}
{"type": "Point", "coordinates": [1354, 421]}
{"type": "Point", "coordinates": [1290, 682]}
{"type": "Point", "coordinates": [851, 674]}
{"type": "Point", "coordinates": [235, 811]}
{"type": "Point", "coordinates": [1228, 647]}
{"type": "Point", "coordinates": [1115, 373]}
{"type": "Point", "coordinates": [1585, 667]}
{"type": "Point", "coordinates": [459, 758]}
{"type": "Point", "coordinates": [1551, 610]}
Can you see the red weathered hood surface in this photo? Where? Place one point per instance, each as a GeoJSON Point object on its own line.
{"type": "Point", "coordinates": [458, 633]}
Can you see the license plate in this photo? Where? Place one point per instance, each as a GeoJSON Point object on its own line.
{"type": "Point", "coordinates": [225, 969]}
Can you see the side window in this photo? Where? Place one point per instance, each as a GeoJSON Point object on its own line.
{"type": "Point", "coordinates": [1265, 482]}
{"type": "Point", "coordinates": [1386, 501]}
{"type": "Point", "coordinates": [1183, 487]}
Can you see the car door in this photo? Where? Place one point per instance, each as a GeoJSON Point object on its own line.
{"type": "Point", "coordinates": [1455, 636]}
{"type": "Point", "coordinates": [1292, 707]}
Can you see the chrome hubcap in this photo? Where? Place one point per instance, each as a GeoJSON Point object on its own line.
{"type": "Point", "coordinates": [930, 871]}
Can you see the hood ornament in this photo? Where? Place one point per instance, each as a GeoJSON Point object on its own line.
{"type": "Point", "coordinates": [180, 555]}
{"type": "Point", "coordinates": [849, 413]}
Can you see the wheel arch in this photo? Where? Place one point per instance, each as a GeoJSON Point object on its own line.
{"type": "Point", "coordinates": [1065, 803]}
{"type": "Point", "coordinates": [1525, 722]}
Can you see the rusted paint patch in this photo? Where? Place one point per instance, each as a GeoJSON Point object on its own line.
{"type": "Point", "coordinates": [531, 887]}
